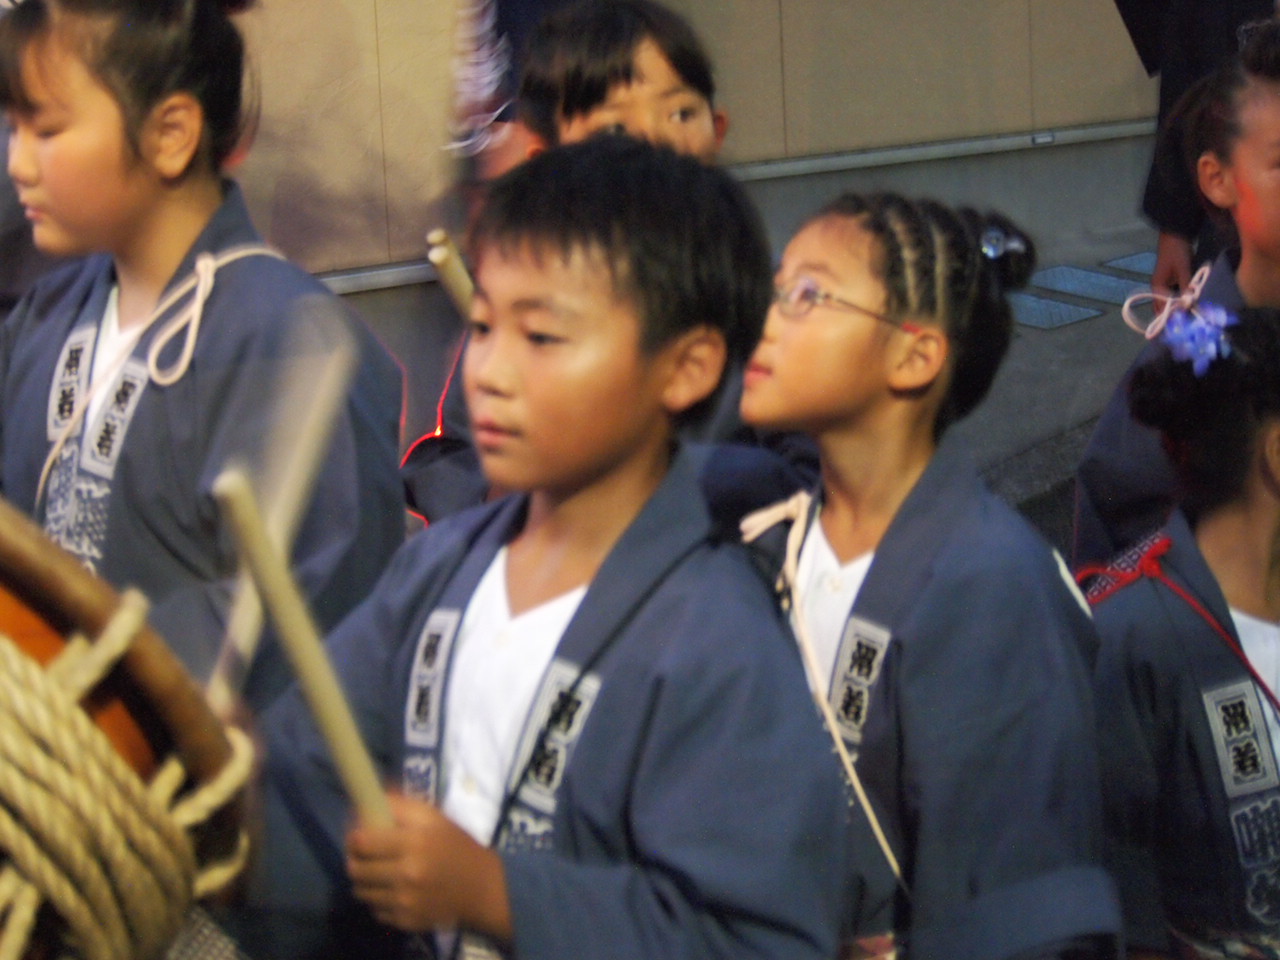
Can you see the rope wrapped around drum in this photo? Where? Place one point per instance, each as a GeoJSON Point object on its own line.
{"type": "Point", "coordinates": [113, 856]}
{"type": "Point", "coordinates": [118, 857]}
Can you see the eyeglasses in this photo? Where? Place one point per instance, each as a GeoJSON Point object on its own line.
{"type": "Point", "coordinates": [802, 294]}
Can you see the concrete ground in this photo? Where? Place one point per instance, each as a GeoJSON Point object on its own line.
{"type": "Point", "coordinates": [1079, 202]}
{"type": "Point", "coordinates": [1030, 431]}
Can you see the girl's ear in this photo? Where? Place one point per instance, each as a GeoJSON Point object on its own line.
{"type": "Point", "coordinates": [173, 135]}
{"type": "Point", "coordinates": [512, 144]}
{"type": "Point", "coordinates": [1217, 181]}
{"type": "Point", "coordinates": [919, 360]}
{"type": "Point", "coordinates": [720, 124]}
{"type": "Point", "coordinates": [1269, 453]}
{"type": "Point", "coordinates": [696, 362]}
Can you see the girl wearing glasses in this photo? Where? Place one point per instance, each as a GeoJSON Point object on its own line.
{"type": "Point", "coordinates": [944, 639]}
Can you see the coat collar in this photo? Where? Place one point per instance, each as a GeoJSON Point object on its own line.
{"type": "Point", "coordinates": [906, 554]}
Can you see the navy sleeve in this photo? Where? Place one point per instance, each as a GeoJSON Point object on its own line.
{"type": "Point", "coordinates": [441, 471]}
{"type": "Point", "coordinates": [7, 327]}
{"type": "Point", "coordinates": [302, 865]}
{"type": "Point", "coordinates": [1125, 482]}
{"type": "Point", "coordinates": [1000, 775]}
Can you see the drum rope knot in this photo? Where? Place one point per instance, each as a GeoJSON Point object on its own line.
{"type": "Point", "coordinates": [81, 830]}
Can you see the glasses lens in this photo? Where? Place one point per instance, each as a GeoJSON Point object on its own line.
{"type": "Point", "coordinates": [798, 298]}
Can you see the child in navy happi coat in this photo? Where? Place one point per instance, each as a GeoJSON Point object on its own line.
{"type": "Point", "coordinates": [1230, 122]}
{"type": "Point", "coordinates": [130, 379]}
{"type": "Point", "coordinates": [597, 722]}
{"type": "Point", "coordinates": [946, 637]}
{"type": "Point", "coordinates": [1190, 656]}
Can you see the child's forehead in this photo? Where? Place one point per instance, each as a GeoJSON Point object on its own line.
{"type": "Point", "coordinates": [652, 68]}
{"type": "Point", "coordinates": [52, 62]}
{"type": "Point", "coordinates": [536, 261]}
{"type": "Point", "coordinates": [835, 247]}
{"type": "Point", "coordinates": [48, 71]}
{"type": "Point", "coordinates": [1260, 107]}
{"type": "Point", "coordinates": [835, 235]}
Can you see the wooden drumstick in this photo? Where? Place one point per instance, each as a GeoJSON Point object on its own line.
{"type": "Point", "coordinates": [444, 256]}
{"type": "Point", "coordinates": [301, 641]}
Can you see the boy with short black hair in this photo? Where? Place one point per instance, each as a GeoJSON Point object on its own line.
{"type": "Point", "coordinates": [599, 722]}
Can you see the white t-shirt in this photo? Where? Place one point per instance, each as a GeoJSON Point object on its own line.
{"type": "Point", "coordinates": [1261, 642]}
{"type": "Point", "coordinates": [825, 592]}
{"type": "Point", "coordinates": [106, 347]}
{"type": "Point", "coordinates": [497, 667]}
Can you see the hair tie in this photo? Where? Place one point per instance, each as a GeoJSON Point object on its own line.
{"type": "Point", "coordinates": [1192, 330]}
{"type": "Point", "coordinates": [1185, 301]}
{"type": "Point", "coordinates": [995, 243]}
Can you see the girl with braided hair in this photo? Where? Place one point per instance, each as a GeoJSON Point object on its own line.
{"type": "Point", "coordinates": [130, 378]}
{"type": "Point", "coordinates": [1189, 664]}
{"type": "Point", "coordinates": [943, 639]}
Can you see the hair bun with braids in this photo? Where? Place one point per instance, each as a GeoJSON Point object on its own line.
{"type": "Point", "coordinates": [1009, 251]}
{"type": "Point", "coordinates": [1209, 419]}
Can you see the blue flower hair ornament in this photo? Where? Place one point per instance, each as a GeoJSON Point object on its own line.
{"type": "Point", "coordinates": [1194, 332]}
{"type": "Point", "coordinates": [1199, 335]}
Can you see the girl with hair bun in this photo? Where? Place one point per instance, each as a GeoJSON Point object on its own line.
{"type": "Point", "coordinates": [1189, 664]}
{"type": "Point", "coordinates": [943, 639]}
{"type": "Point", "coordinates": [131, 377]}
{"type": "Point", "coordinates": [1227, 128]}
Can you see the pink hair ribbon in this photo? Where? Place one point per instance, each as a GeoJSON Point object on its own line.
{"type": "Point", "coordinates": [1185, 301]}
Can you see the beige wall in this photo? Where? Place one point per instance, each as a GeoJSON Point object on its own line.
{"type": "Point", "coordinates": [355, 98]}
{"type": "Point", "coordinates": [803, 77]}
{"type": "Point", "coordinates": [356, 93]}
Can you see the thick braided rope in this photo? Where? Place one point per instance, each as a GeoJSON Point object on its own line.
{"type": "Point", "coordinates": [82, 832]}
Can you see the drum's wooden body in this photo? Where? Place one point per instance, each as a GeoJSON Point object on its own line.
{"type": "Point", "coordinates": [39, 640]}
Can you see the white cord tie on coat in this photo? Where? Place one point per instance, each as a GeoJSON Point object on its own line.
{"type": "Point", "coordinates": [201, 280]}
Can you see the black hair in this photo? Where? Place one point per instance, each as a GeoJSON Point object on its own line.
{"type": "Point", "coordinates": [578, 53]}
{"type": "Point", "coordinates": [682, 240]}
{"type": "Point", "coordinates": [1206, 119]}
{"type": "Point", "coordinates": [1209, 423]}
{"type": "Point", "coordinates": [953, 267]}
{"type": "Point", "coordinates": [141, 51]}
